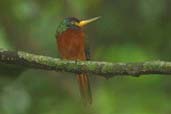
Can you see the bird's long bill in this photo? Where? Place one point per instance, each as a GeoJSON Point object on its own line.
{"type": "Point", "coordinates": [85, 22]}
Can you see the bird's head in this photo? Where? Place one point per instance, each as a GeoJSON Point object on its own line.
{"type": "Point", "coordinates": [73, 23]}
{"type": "Point", "coordinates": [76, 23]}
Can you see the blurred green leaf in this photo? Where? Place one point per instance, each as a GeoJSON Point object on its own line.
{"type": "Point", "coordinates": [3, 41]}
{"type": "Point", "coordinates": [125, 53]}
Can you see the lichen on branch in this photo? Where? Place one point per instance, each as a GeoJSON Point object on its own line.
{"type": "Point", "coordinates": [106, 69]}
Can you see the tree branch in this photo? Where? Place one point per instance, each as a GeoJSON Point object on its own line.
{"type": "Point", "coordinates": [105, 69]}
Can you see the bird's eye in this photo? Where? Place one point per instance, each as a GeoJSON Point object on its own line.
{"type": "Point", "coordinates": [73, 23]}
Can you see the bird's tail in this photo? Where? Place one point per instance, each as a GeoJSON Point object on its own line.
{"type": "Point", "coordinates": [84, 86]}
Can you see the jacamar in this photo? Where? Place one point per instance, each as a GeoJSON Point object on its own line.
{"type": "Point", "coordinates": [70, 39]}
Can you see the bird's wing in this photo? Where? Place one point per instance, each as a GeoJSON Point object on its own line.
{"type": "Point", "coordinates": [87, 51]}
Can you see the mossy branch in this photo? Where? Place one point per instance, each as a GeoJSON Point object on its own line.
{"type": "Point", "coordinates": [106, 69]}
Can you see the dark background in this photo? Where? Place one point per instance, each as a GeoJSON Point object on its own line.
{"type": "Point", "coordinates": [129, 31]}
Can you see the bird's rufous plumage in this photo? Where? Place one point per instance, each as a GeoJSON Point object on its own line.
{"type": "Point", "coordinates": [71, 45]}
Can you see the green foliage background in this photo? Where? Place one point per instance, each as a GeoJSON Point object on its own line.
{"type": "Point", "coordinates": [129, 31]}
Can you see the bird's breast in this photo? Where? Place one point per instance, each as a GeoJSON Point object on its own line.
{"type": "Point", "coordinates": [71, 44]}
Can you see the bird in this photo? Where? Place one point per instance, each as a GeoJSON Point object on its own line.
{"type": "Point", "coordinates": [70, 39]}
